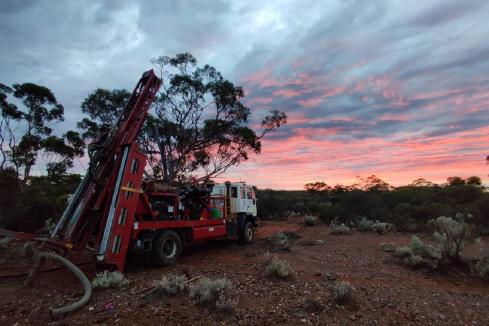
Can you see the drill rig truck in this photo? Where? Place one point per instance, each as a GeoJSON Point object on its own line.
{"type": "Point", "coordinates": [118, 212]}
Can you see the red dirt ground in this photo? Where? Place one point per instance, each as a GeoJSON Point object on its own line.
{"type": "Point", "coordinates": [385, 293]}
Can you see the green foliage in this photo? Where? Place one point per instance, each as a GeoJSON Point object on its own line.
{"type": "Point", "coordinates": [452, 234]}
{"type": "Point", "coordinates": [364, 225]}
{"type": "Point", "coordinates": [26, 133]}
{"type": "Point", "coordinates": [108, 280]}
{"type": "Point", "coordinates": [213, 293]}
{"type": "Point", "coordinates": [339, 229]}
{"type": "Point", "coordinates": [481, 268]}
{"type": "Point", "coordinates": [29, 206]}
{"type": "Point", "coordinates": [28, 249]}
{"type": "Point", "coordinates": [4, 242]}
{"type": "Point", "coordinates": [403, 252]}
{"type": "Point", "coordinates": [342, 292]}
{"type": "Point", "coordinates": [277, 268]}
{"type": "Point", "coordinates": [170, 285]}
{"type": "Point", "coordinates": [419, 248]}
{"type": "Point", "coordinates": [387, 247]}
{"type": "Point", "coordinates": [408, 208]}
{"type": "Point", "coordinates": [103, 107]}
{"type": "Point", "coordinates": [418, 254]}
{"type": "Point", "coordinates": [198, 126]}
{"type": "Point", "coordinates": [309, 220]}
{"type": "Point", "coordinates": [381, 227]}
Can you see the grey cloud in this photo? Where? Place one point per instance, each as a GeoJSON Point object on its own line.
{"type": "Point", "coordinates": [445, 12]}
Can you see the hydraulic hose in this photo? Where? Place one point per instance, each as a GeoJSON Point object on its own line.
{"type": "Point", "coordinates": [84, 280]}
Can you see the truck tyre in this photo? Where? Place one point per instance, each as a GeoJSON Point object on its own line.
{"type": "Point", "coordinates": [167, 248]}
{"type": "Point", "coordinates": [247, 235]}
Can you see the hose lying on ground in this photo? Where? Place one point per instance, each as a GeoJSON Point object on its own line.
{"type": "Point", "coordinates": [84, 280]}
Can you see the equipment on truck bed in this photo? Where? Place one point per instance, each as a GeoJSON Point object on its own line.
{"type": "Point", "coordinates": [120, 213]}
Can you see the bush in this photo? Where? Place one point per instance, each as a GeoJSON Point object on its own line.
{"type": "Point", "coordinates": [452, 235]}
{"type": "Point", "coordinates": [28, 249]}
{"type": "Point", "coordinates": [281, 240]}
{"type": "Point", "coordinates": [171, 285]}
{"type": "Point", "coordinates": [482, 268]}
{"type": "Point", "coordinates": [49, 226]}
{"type": "Point", "coordinates": [4, 242]}
{"type": "Point", "coordinates": [342, 292]}
{"type": "Point", "coordinates": [381, 227]}
{"type": "Point", "coordinates": [310, 220]}
{"type": "Point", "coordinates": [426, 251]}
{"type": "Point", "coordinates": [402, 252]}
{"type": "Point", "coordinates": [418, 254]}
{"type": "Point", "coordinates": [387, 247]}
{"type": "Point", "coordinates": [340, 229]}
{"type": "Point", "coordinates": [364, 225]}
{"type": "Point", "coordinates": [108, 280]}
{"type": "Point", "coordinates": [213, 293]}
{"type": "Point", "coordinates": [277, 268]}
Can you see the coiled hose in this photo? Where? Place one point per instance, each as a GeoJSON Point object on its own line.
{"type": "Point", "coordinates": [84, 280]}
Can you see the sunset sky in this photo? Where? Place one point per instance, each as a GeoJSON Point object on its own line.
{"type": "Point", "coordinates": [370, 87]}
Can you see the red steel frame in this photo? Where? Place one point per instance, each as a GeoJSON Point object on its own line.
{"type": "Point", "coordinates": [109, 201]}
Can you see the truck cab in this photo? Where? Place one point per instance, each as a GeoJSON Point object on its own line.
{"type": "Point", "coordinates": [240, 206]}
{"type": "Point", "coordinates": [242, 197]}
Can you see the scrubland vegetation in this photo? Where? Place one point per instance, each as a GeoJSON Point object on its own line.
{"type": "Point", "coordinates": [373, 205]}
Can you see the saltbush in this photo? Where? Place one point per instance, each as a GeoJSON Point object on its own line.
{"type": "Point", "coordinates": [418, 254]}
{"type": "Point", "coordinates": [402, 252]}
{"type": "Point", "coordinates": [276, 268]}
{"type": "Point", "coordinates": [4, 242]}
{"type": "Point", "coordinates": [364, 224]}
{"type": "Point", "coordinates": [381, 227]}
{"type": "Point", "coordinates": [452, 235]}
{"type": "Point", "coordinates": [482, 268]}
{"type": "Point", "coordinates": [213, 293]}
{"type": "Point", "coordinates": [170, 285]}
{"type": "Point", "coordinates": [340, 229]}
{"type": "Point", "coordinates": [387, 247]}
{"type": "Point", "coordinates": [28, 249]}
{"type": "Point", "coordinates": [106, 280]}
{"type": "Point", "coordinates": [310, 220]}
{"type": "Point", "coordinates": [342, 292]}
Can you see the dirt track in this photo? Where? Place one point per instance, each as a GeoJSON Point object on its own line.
{"type": "Point", "coordinates": [385, 293]}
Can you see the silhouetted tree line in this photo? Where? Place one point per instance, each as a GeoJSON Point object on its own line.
{"type": "Point", "coordinates": [407, 207]}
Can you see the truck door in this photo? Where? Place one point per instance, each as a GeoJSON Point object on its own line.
{"type": "Point", "coordinates": [243, 202]}
{"type": "Point", "coordinates": [250, 201]}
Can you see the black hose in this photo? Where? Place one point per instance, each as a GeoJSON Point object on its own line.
{"type": "Point", "coordinates": [84, 280]}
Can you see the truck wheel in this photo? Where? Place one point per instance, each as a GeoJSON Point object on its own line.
{"type": "Point", "coordinates": [247, 235]}
{"type": "Point", "coordinates": [167, 248]}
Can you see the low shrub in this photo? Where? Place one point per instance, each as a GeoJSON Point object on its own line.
{"type": "Point", "coordinates": [381, 227]}
{"type": "Point", "coordinates": [342, 292]}
{"type": "Point", "coordinates": [340, 229]}
{"type": "Point", "coordinates": [282, 240]}
{"type": "Point", "coordinates": [4, 242]}
{"type": "Point", "coordinates": [364, 225]}
{"type": "Point", "coordinates": [106, 280]}
{"type": "Point", "coordinates": [420, 248]}
{"type": "Point", "coordinates": [402, 252]}
{"type": "Point", "coordinates": [49, 226]}
{"type": "Point", "coordinates": [387, 247]}
{"type": "Point", "coordinates": [418, 254]}
{"type": "Point", "coordinates": [482, 268]}
{"type": "Point", "coordinates": [452, 235]}
{"type": "Point", "coordinates": [171, 285]}
{"type": "Point", "coordinates": [277, 268]}
{"type": "Point", "coordinates": [213, 293]}
{"type": "Point", "coordinates": [310, 220]}
{"type": "Point", "coordinates": [28, 249]}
